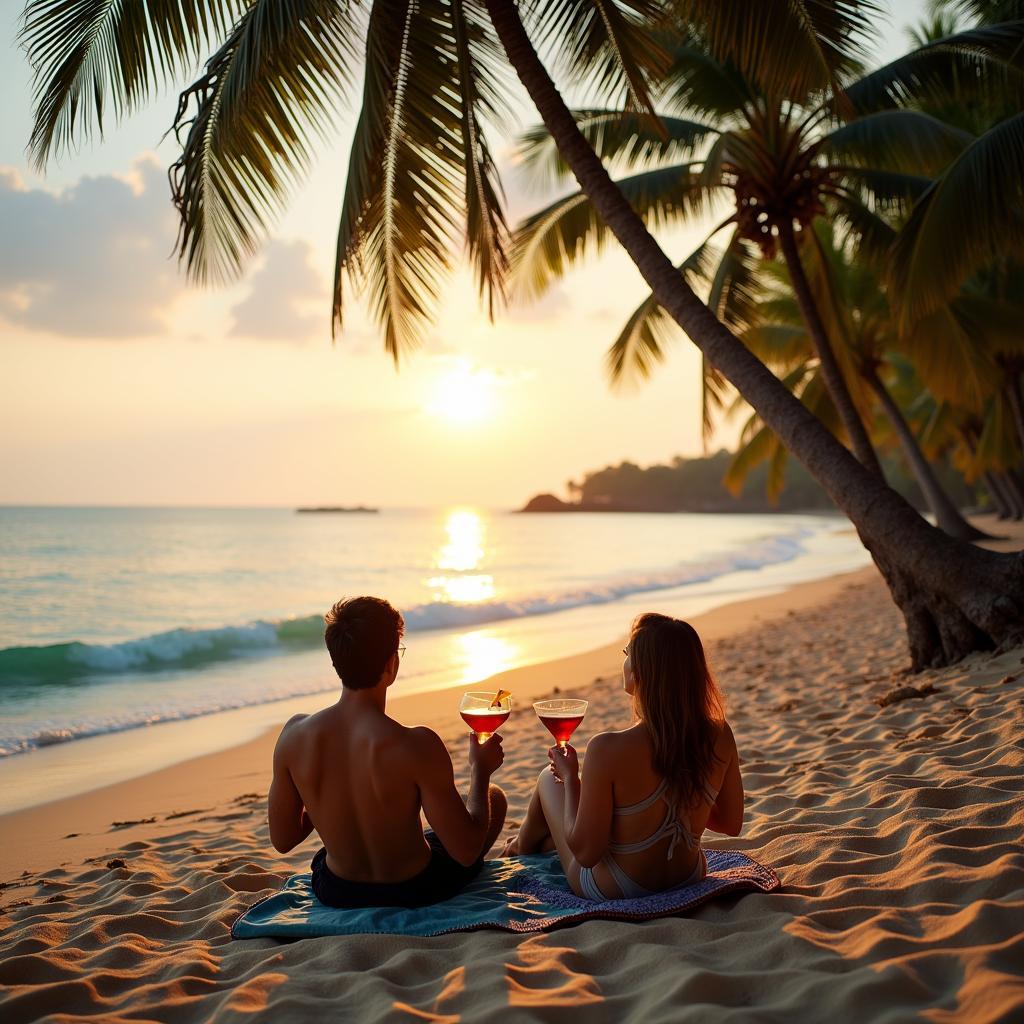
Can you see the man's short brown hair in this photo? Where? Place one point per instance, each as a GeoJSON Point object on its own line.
{"type": "Point", "coordinates": [362, 636]}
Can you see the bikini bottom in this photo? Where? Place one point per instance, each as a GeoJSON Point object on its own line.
{"type": "Point", "coordinates": [630, 890]}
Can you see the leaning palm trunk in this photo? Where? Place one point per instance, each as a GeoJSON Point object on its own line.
{"type": "Point", "coordinates": [994, 487]}
{"type": "Point", "coordinates": [1016, 400]}
{"type": "Point", "coordinates": [1014, 491]}
{"type": "Point", "coordinates": [954, 598]}
{"type": "Point", "coordinates": [947, 515]}
{"type": "Point", "coordinates": [831, 372]}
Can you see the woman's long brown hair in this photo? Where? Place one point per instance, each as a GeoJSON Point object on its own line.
{"type": "Point", "coordinates": [677, 699]}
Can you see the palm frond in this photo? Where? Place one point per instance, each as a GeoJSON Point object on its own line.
{"type": "Point", "coordinates": [641, 343]}
{"type": "Point", "coordinates": [420, 170]}
{"type": "Point", "coordinates": [988, 12]}
{"type": "Point", "coordinates": [952, 349]}
{"type": "Point", "coordinates": [618, 137]}
{"type": "Point", "coordinates": [698, 85]}
{"type": "Point", "coordinates": [609, 46]}
{"type": "Point", "coordinates": [997, 446]}
{"type": "Point", "coordinates": [897, 140]}
{"type": "Point", "coordinates": [734, 291]}
{"type": "Point", "coordinates": [869, 235]}
{"type": "Point", "coordinates": [271, 87]}
{"type": "Point", "coordinates": [549, 241]}
{"type": "Point", "coordinates": [779, 346]}
{"type": "Point", "coordinates": [789, 49]}
{"type": "Point", "coordinates": [714, 391]}
{"type": "Point", "coordinates": [971, 215]}
{"type": "Point", "coordinates": [487, 232]}
{"type": "Point", "coordinates": [887, 190]}
{"type": "Point", "coordinates": [977, 63]}
{"type": "Point", "coordinates": [89, 53]}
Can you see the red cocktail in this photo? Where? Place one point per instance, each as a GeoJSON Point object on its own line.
{"type": "Point", "coordinates": [485, 712]}
{"type": "Point", "coordinates": [561, 717]}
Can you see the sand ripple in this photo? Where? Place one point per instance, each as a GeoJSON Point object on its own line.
{"type": "Point", "coordinates": [896, 831]}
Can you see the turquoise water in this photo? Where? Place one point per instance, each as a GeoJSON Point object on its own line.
{"type": "Point", "coordinates": [112, 619]}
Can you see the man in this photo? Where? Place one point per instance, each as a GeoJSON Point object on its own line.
{"type": "Point", "coordinates": [361, 779]}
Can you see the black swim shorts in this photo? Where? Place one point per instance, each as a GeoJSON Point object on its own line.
{"type": "Point", "coordinates": [441, 879]}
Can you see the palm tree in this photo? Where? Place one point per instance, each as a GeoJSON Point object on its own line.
{"type": "Point", "coordinates": [978, 199]}
{"type": "Point", "coordinates": [429, 69]}
{"type": "Point", "coordinates": [860, 320]}
{"type": "Point", "coordinates": [953, 597]}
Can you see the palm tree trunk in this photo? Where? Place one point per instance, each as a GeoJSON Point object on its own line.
{"type": "Point", "coordinates": [831, 371]}
{"type": "Point", "coordinates": [995, 492]}
{"type": "Point", "coordinates": [1014, 491]}
{"type": "Point", "coordinates": [947, 515]}
{"type": "Point", "coordinates": [955, 598]}
{"type": "Point", "coordinates": [1011, 504]}
{"type": "Point", "coordinates": [1013, 391]}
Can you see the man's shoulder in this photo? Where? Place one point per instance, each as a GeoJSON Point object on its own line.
{"type": "Point", "coordinates": [423, 738]}
{"type": "Point", "coordinates": [292, 730]}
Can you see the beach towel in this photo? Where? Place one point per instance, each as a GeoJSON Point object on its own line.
{"type": "Point", "coordinates": [516, 894]}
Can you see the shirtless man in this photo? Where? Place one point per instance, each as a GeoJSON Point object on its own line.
{"type": "Point", "coordinates": [361, 779]}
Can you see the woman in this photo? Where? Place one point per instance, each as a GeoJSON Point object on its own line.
{"type": "Point", "coordinates": [632, 826]}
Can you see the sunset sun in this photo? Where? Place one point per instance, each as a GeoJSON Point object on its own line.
{"type": "Point", "coordinates": [463, 394]}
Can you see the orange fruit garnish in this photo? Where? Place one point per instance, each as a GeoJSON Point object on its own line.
{"type": "Point", "coordinates": [499, 697]}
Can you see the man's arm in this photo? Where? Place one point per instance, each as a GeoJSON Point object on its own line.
{"type": "Point", "coordinates": [461, 827]}
{"type": "Point", "coordinates": [289, 823]}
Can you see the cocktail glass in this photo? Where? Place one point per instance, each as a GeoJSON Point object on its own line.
{"type": "Point", "coordinates": [480, 712]}
{"type": "Point", "coordinates": [561, 717]}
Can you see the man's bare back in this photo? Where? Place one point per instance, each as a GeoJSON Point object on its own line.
{"type": "Point", "coordinates": [361, 780]}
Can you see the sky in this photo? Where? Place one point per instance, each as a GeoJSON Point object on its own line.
{"type": "Point", "coordinates": [121, 383]}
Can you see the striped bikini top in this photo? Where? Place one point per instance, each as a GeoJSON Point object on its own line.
{"type": "Point", "coordinates": [671, 826]}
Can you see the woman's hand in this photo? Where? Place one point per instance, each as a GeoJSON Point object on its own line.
{"type": "Point", "coordinates": [565, 764]}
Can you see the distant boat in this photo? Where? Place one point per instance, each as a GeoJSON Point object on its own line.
{"type": "Point", "coordinates": [339, 508]}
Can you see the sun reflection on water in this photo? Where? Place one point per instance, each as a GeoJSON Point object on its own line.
{"type": "Point", "coordinates": [463, 589]}
{"type": "Point", "coordinates": [463, 551]}
{"type": "Point", "coordinates": [483, 653]}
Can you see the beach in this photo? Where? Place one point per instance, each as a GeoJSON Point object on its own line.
{"type": "Point", "coordinates": [895, 831]}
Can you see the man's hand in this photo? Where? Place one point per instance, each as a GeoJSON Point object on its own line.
{"type": "Point", "coordinates": [565, 763]}
{"type": "Point", "coordinates": [485, 758]}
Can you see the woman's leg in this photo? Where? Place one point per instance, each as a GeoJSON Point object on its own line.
{"type": "Point", "coordinates": [534, 834]}
{"type": "Point", "coordinates": [551, 795]}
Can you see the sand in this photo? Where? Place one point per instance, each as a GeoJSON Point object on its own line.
{"type": "Point", "coordinates": [896, 831]}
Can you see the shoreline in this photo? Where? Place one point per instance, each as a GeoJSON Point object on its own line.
{"type": "Point", "coordinates": [449, 657]}
{"type": "Point", "coordinates": [149, 799]}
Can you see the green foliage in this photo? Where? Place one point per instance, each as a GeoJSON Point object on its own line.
{"type": "Point", "coordinates": [820, 43]}
{"type": "Point", "coordinates": [973, 214]}
{"type": "Point", "coordinates": [696, 485]}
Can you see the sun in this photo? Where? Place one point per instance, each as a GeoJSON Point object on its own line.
{"type": "Point", "coordinates": [463, 394]}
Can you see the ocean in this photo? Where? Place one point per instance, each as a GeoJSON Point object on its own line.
{"type": "Point", "coordinates": [115, 619]}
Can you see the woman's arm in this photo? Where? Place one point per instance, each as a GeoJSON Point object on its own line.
{"type": "Point", "coordinates": [588, 803]}
{"type": "Point", "coordinates": [727, 814]}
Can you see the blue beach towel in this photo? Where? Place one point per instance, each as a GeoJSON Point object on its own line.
{"type": "Point", "coordinates": [516, 894]}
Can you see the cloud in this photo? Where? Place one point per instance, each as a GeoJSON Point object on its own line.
{"type": "Point", "coordinates": [287, 299]}
{"type": "Point", "coordinates": [94, 260]}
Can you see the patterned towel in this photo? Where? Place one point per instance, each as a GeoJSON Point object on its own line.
{"type": "Point", "coordinates": [517, 894]}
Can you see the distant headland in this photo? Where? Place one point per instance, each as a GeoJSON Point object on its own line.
{"type": "Point", "coordinates": [338, 508]}
{"type": "Point", "coordinates": [708, 485]}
